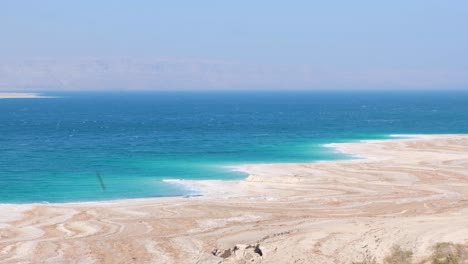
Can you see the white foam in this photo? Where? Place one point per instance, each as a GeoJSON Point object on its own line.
{"type": "Point", "coordinates": [236, 168]}
{"type": "Point", "coordinates": [185, 185]}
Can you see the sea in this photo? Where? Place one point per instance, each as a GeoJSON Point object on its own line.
{"type": "Point", "coordinates": [97, 146]}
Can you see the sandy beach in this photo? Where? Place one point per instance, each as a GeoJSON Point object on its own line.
{"type": "Point", "coordinates": [411, 192]}
{"type": "Point", "coordinates": [20, 95]}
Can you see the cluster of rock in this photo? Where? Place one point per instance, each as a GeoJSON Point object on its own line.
{"type": "Point", "coordinates": [240, 254]}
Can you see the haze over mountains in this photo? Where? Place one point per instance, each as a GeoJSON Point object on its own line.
{"type": "Point", "coordinates": [122, 73]}
{"type": "Point", "coordinates": [137, 74]}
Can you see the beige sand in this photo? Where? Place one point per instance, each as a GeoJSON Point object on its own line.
{"type": "Point", "coordinates": [410, 192]}
{"type": "Point", "coordinates": [4, 95]}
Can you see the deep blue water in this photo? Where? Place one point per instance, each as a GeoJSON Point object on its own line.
{"type": "Point", "coordinates": [54, 149]}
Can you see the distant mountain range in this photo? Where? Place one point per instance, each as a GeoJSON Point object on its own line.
{"type": "Point", "coordinates": [134, 74]}
{"type": "Point", "coordinates": [128, 74]}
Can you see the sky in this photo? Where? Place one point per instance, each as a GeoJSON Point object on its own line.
{"type": "Point", "coordinates": [208, 44]}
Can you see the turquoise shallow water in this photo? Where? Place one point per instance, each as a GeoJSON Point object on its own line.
{"type": "Point", "coordinates": [60, 149]}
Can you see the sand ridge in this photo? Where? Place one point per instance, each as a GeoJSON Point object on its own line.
{"type": "Point", "coordinates": [411, 191]}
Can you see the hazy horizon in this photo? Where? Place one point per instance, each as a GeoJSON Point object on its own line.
{"type": "Point", "coordinates": [53, 45]}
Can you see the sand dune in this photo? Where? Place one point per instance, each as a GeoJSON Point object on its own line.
{"type": "Point", "coordinates": [410, 192]}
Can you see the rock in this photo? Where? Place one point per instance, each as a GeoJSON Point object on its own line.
{"type": "Point", "coordinates": [241, 254]}
{"type": "Point", "coordinates": [222, 253]}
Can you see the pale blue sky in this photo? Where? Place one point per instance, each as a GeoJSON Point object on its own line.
{"type": "Point", "coordinates": [380, 40]}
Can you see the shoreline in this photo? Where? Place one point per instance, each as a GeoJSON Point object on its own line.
{"type": "Point", "coordinates": [240, 168]}
{"type": "Point", "coordinates": [206, 187]}
{"type": "Point", "coordinates": [22, 95]}
{"type": "Point", "coordinates": [412, 192]}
